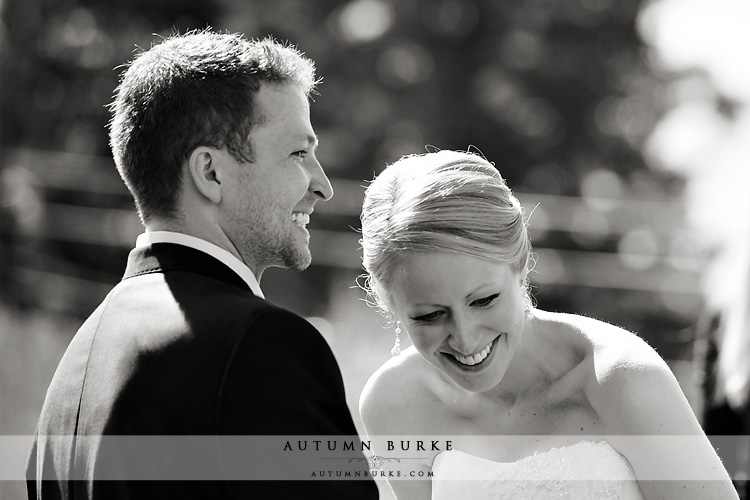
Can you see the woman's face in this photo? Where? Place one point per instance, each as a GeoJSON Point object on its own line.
{"type": "Point", "coordinates": [464, 315]}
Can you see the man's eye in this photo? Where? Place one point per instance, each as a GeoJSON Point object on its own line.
{"type": "Point", "coordinates": [301, 153]}
{"type": "Point", "coordinates": [485, 301]}
{"type": "Point", "coordinates": [429, 317]}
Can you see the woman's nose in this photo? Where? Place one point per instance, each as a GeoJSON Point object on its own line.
{"type": "Point", "coordinates": [462, 336]}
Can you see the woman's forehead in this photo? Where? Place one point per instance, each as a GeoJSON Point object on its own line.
{"type": "Point", "coordinates": [431, 274]}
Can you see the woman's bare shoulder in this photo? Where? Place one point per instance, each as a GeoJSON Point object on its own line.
{"type": "Point", "coordinates": [626, 378]}
{"type": "Point", "coordinates": [645, 415]}
{"type": "Point", "coordinates": [610, 358]}
{"type": "Point", "coordinates": [607, 346]}
{"type": "Point", "coordinates": [390, 400]}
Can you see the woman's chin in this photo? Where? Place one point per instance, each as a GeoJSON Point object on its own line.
{"type": "Point", "coordinates": [478, 380]}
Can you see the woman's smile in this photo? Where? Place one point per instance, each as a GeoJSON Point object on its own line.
{"type": "Point", "coordinates": [474, 362]}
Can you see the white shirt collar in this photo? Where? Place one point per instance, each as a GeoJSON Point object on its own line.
{"type": "Point", "coordinates": [235, 264]}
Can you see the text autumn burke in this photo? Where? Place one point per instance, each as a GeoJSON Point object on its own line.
{"type": "Point", "coordinates": [334, 445]}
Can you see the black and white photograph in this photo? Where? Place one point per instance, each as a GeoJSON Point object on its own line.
{"type": "Point", "coordinates": [375, 249]}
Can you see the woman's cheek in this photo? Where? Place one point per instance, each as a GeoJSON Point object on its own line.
{"type": "Point", "coordinates": [423, 338]}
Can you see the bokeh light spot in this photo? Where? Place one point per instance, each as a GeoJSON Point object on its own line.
{"type": "Point", "coordinates": [521, 49]}
{"type": "Point", "coordinates": [405, 64]}
{"type": "Point", "coordinates": [601, 189]}
{"type": "Point", "coordinates": [590, 229]}
{"type": "Point", "coordinates": [686, 134]}
{"type": "Point", "coordinates": [638, 249]}
{"type": "Point", "coordinates": [97, 54]}
{"type": "Point", "coordinates": [80, 29]}
{"type": "Point", "coordinates": [365, 20]}
{"type": "Point", "coordinates": [549, 267]}
{"type": "Point", "coordinates": [494, 89]}
{"type": "Point", "coordinates": [22, 198]}
{"type": "Point", "coordinates": [686, 252]}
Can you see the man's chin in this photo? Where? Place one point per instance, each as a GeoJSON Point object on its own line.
{"type": "Point", "coordinates": [300, 266]}
{"type": "Point", "coordinates": [297, 260]}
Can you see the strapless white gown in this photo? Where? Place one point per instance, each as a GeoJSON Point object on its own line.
{"type": "Point", "coordinates": [583, 471]}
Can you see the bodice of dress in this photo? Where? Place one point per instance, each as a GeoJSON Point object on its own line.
{"type": "Point", "coordinates": [583, 471]}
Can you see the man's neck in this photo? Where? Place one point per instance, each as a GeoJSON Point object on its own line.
{"type": "Point", "coordinates": [212, 234]}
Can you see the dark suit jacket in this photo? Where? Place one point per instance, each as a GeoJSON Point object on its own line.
{"type": "Point", "coordinates": [181, 346]}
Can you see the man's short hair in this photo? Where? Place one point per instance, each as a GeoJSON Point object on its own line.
{"type": "Point", "coordinates": [191, 90]}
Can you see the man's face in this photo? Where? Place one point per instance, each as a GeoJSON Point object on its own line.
{"type": "Point", "coordinates": [269, 201]}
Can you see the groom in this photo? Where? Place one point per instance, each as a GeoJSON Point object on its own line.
{"type": "Point", "coordinates": [212, 135]}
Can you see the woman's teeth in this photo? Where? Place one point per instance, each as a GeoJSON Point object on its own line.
{"type": "Point", "coordinates": [301, 219]}
{"type": "Point", "coordinates": [476, 358]}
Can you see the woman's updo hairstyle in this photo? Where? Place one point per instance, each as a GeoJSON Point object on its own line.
{"type": "Point", "coordinates": [444, 201]}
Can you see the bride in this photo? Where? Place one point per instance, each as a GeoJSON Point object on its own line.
{"type": "Point", "coordinates": [541, 405]}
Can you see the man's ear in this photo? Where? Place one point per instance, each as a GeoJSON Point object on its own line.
{"type": "Point", "coordinates": [203, 170]}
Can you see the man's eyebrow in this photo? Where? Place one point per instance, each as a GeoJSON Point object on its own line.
{"type": "Point", "coordinates": [310, 139]}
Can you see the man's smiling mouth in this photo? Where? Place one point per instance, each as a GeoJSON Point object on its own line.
{"type": "Point", "coordinates": [301, 219]}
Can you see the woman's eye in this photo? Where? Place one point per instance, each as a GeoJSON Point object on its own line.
{"type": "Point", "coordinates": [429, 317]}
{"type": "Point", "coordinates": [485, 301]}
{"type": "Point", "coordinates": [301, 153]}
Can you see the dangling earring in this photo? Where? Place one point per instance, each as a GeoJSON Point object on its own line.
{"type": "Point", "coordinates": [527, 304]}
{"type": "Point", "coordinates": [397, 345]}
{"type": "Point", "coordinates": [527, 308]}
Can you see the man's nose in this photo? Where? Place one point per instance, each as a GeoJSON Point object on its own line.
{"type": "Point", "coordinates": [320, 185]}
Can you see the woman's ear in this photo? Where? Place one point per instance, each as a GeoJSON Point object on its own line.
{"type": "Point", "coordinates": [523, 276]}
{"type": "Point", "coordinates": [204, 172]}
{"type": "Point", "coordinates": [522, 279]}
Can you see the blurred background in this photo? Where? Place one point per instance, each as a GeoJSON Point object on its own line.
{"type": "Point", "coordinates": [623, 127]}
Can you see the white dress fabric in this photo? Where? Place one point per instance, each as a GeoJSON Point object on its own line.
{"type": "Point", "coordinates": [583, 471]}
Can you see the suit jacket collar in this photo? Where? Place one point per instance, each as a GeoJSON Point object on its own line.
{"type": "Point", "coordinates": [164, 257]}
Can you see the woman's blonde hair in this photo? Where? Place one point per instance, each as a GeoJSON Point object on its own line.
{"type": "Point", "coordinates": [444, 201]}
